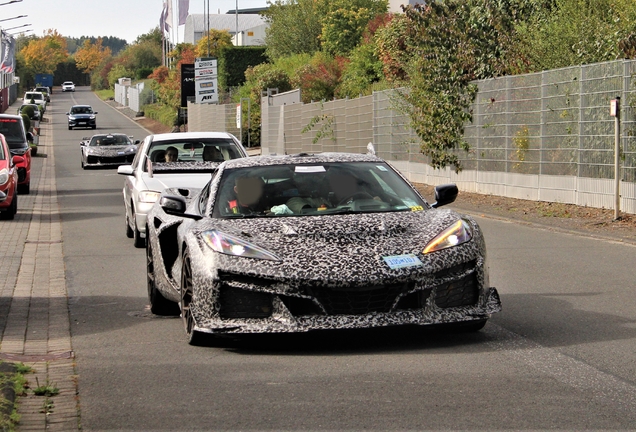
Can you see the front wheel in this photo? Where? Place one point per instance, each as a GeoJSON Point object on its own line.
{"type": "Point", "coordinates": [193, 336]}
{"type": "Point", "coordinates": [70, 128]}
{"type": "Point", "coordinates": [25, 189]}
{"type": "Point", "coordinates": [138, 241]}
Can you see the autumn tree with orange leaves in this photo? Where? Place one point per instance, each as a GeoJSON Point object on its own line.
{"type": "Point", "coordinates": [91, 55]}
{"type": "Point", "coordinates": [42, 55]}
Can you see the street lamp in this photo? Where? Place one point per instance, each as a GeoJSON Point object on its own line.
{"type": "Point", "coordinates": [20, 32]}
{"type": "Point", "coordinates": [11, 28]}
{"type": "Point", "coordinates": [7, 19]}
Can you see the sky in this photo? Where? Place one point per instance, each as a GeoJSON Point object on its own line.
{"type": "Point", "coordinates": [125, 19]}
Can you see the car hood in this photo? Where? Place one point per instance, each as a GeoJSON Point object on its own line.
{"type": "Point", "coordinates": [344, 248]}
{"type": "Point", "coordinates": [159, 182]}
{"type": "Point", "coordinates": [111, 150]}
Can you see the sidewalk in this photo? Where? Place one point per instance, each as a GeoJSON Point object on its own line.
{"type": "Point", "coordinates": [34, 314]}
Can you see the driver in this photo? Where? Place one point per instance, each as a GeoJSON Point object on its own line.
{"type": "Point", "coordinates": [248, 192]}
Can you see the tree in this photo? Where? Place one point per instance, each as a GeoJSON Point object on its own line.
{"type": "Point", "coordinates": [42, 55]}
{"type": "Point", "coordinates": [294, 27]}
{"type": "Point", "coordinates": [210, 46]}
{"type": "Point", "coordinates": [575, 32]}
{"type": "Point", "coordinates": [345, 22]}
{"type": "Point", "coordinates": [91, 55]}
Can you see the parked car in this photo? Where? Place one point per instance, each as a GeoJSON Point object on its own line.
{"type": "Point", "coordinates": [309, 242]}
{"type": "Point", "coordinates": [8, 181]}
{"type": "Point", "coordinates": [198, 155]}
{"type": "Point", "coordinates": [35, 111]}
{"type": "Point", "coordinates": [45, 91]}
{"type": "Point", "coordinates": [107, 150]}
{"type": "Point", "coordinates": [12, 127]}
{"type": "Point", "coordinates": [68, 86]}
{"type": "Point", "coordinates": [37, 98]}
{"type": "Point", "coordinates": [82, 116]}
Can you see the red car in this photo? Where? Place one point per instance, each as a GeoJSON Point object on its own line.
{"type": "Point", "coordinates": [8, 180]}
{"type": "Point", "coordinates": [17, 138]}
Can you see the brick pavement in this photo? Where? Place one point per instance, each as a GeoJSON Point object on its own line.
{"type": "Point", "coordinates": [34, 314]}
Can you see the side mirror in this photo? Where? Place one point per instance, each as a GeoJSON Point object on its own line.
{"type": "Point", "coordinates": [68, 113]}
{"type": "Point", "coordinates": [82, 143]}
{"type": "Point", "coordinates": [95, 112]}
{"type": "Point", "coordinates": [29, 136]}
{"type": "Point", "coordinates": [17, 160]}
{"type": "Point", "coordinates": [137, 141]}
{"type": "Point", "coordinates": [125, 170]}
{"type": "Point", "coordinates": [176, 206]}
{"type": "Point", "coordinates": [445, 194]}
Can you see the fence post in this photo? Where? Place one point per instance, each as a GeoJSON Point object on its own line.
{"type": "Point", "coordinates": [615, 111]}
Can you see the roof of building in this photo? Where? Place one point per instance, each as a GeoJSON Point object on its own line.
{"type": "Point", "coordinates": [197, 22]}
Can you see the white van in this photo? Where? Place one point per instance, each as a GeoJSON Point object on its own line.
{"type": "Point", "coordinates": [37, 97]}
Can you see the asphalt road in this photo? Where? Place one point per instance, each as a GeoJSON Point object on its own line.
{"type": "Point", "coordinates": [562, 354]}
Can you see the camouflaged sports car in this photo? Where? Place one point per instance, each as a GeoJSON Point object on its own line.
{"type": "Point", "coordinates": [107, 150]}
{"type": "Point", "coordinates": [306, 242]}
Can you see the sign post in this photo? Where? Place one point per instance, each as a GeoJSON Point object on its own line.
{"type": "Point", "coordinates": [205, 80]}
{"type": "Point", "coordinates": [615, 111]}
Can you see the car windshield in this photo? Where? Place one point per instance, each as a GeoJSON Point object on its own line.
{"type": "Point", "coordinates": [106, 140]}
{"type": "Point", "coordinates": [81, 110]}
{"type": "Point", "coordinates": [34, 96]}
{"type": "Point", "coordinates": [310, 190]}
{"type": "Point", "coordinates": [194, 150]}
{"type": "Point", "coordinates": [13, 132]}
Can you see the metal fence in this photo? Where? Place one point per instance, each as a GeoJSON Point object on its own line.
{"type": "Point", "coordinates": [544, 136]}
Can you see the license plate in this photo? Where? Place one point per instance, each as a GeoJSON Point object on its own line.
{"type": "Point", "coordinates": [402, 261]}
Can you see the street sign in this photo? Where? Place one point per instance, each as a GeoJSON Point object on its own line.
{"type": "Point", "coordinates": [205, 79]}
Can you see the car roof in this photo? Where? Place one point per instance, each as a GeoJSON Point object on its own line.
{"type": "Point", "coordinates": [302, 158]}
{"type": "Point", "coordinates": [188, 135]}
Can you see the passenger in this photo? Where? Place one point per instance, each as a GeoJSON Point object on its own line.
{"type": "Point", "coordinates": [308, 198]}
{"type": "Point", "coordinates": [212, 154]}
{"type": "Point", "coordinates": [172, 154]}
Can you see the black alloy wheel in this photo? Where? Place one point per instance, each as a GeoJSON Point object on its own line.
{"type": "Point", "coordinates": [193, 337]}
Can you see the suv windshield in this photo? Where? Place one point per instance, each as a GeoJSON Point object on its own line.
{"type": "Point", "coordinates": [310, 190]}
{"type": "Point", "coordinates": [194, 150]}
{"type": "Point", "coordinates": [81, 110]}
{"type": "Point", "coordinates": [13, 132]}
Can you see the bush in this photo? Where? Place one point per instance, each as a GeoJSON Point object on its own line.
{"type": "Point", "coordinates": [28, 110]}
{"type": "Point", "coordinates": [27, 121]}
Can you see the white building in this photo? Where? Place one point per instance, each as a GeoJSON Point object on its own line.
{"type": "Point", "coordinates": [251, 27]}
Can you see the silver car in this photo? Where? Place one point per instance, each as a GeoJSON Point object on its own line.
{"type": "Point", "coordinates": [196, 156]}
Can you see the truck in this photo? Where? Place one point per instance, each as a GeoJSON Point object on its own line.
{"type": "Point", "coordinates": [43, 79]}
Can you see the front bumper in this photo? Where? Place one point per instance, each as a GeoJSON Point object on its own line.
{"type": "Point", "coordinates": [97, 161]}
{"type": "Point", "coordinates": [82, 123]}
{"type": "Point", "coordinates": [245, 304]}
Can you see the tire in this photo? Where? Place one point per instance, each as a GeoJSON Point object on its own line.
{"type": "Point", "coordinates": [469, 327]}
{"type": "Point", "coordinates": [193, 337]}
{"type": "Point", "coordinates": [70, 128]}
{"type": "Point", "coordinates": [94, 127]}
{"type": "Point", "coordinates": [159, 305]}
{"type": "Point", "coordinates": [9, 214]}
{"type": "Point", "coordinates": [138, 241]}
{"type": "Point", "coordinates": [129, 230]}
{"type": "Point", "coordinates": [25, 189]}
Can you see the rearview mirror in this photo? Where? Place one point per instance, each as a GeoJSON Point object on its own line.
{"type": "Point", "coordinates": [445, 194]}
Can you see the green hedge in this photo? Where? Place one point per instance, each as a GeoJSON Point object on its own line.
{"type": "Point", "coordinates": [234, 61]}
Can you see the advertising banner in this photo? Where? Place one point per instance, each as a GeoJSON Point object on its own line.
{"type": "Point", "coordinates": [187, 84]}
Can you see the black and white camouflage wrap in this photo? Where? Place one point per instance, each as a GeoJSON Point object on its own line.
{"type": "Point", "coordinates": [110, 155]}
{"type": "Point", "coordinates": [317, 252]}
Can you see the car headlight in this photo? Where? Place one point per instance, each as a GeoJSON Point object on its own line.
{"type": "Point", "coordinates": [149, 196]}
{"type": "Point", "coordinates": [456, 234]}
{"type": "Point", "coordinates": [230, 245]}
{"type": "Point", "coordinates": [92, 117]}
{"type": "Point", "coordinates": [4, 176]}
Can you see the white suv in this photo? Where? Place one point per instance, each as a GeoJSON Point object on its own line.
{"type": "Point", "coordinates": [68, 86]}
{"type": "Point", "coordinates": [37, 98]}
{"type": "Point", "coordinates": [197, 156]}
